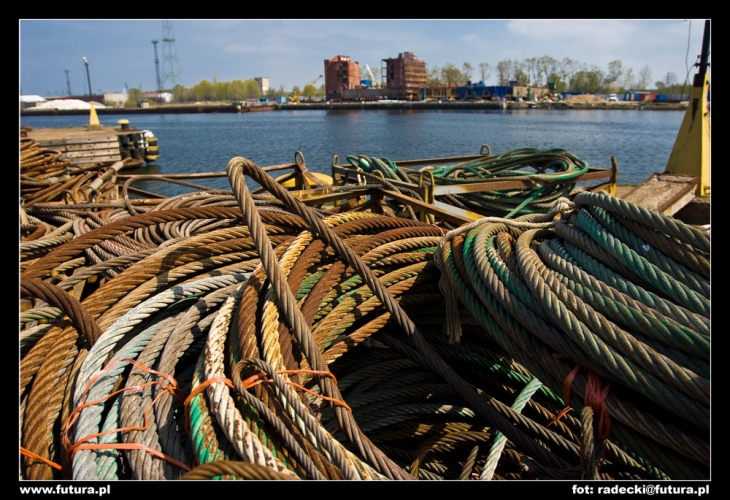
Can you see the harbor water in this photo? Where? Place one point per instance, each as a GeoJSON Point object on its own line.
{"type": "Point", "coordinates": [641, 140]}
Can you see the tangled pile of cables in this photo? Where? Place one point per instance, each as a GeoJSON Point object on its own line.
{"type": "Point", "coordinates": [224, 334]}
{"type": "Point", "coordinates": [47, 177]}
{"type": "Point", "coordinates": [551, 174]}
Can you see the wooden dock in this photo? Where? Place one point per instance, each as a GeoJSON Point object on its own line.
{"type": "Point", "coordinates": [81, 145]}
{"type": "Point", "coordinates": [84, 146]}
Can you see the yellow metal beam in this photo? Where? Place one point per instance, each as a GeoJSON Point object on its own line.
{"type": "Point", "coordinates": [691, 152]}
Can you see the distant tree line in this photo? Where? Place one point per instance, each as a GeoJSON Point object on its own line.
{"type": "Point", "coordinates": [205, 90]}
{"type": "Point", "coordinates": [235, 90]}
{"type": "Point", "coordinates": [567, 74]}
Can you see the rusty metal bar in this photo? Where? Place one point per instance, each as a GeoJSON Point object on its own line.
{"type": "Point", "coordinates": [446, 215]}
{"type": "Point", "coordinates": [204, 175]}
{"type": "Point", "coordinates": [319, 199]}
{"type": "Point", "coordinates": [479, 187]}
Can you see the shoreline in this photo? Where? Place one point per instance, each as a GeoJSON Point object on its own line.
{"type": "Point", "coordinates": [416, 106]}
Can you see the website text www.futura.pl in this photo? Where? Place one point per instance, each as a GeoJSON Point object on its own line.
{"type": "Point", "coordinates": [65, 490]}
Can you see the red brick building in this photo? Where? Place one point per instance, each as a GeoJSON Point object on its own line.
{"type": "Point", "coordinates": [340, 73]}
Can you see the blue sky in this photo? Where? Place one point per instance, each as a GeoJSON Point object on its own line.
{"type": "Point", "coordinates": [292, 52]}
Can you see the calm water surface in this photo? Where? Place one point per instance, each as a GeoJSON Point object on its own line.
{"type": "Point", "coordinates": [640, 140]}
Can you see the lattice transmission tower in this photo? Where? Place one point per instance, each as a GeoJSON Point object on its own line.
{"type": "Point", "coordinates": [170, 63]}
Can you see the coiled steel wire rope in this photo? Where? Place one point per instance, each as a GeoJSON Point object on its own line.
{"type": "Point", "coordinates": [351, 309]}
{"type": "Point", "coordinates": [515, 270]}
{"type": "Point", "coordinates": [554, 173]}
{"type": "Point", "coordinates": [29, 367]}
{"type": "Point", "coordinates": [382, 295]}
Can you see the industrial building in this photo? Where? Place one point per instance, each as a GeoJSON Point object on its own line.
{"type": "Point", "coordinates": [340, 74]}
{"type": "Point", "coordinates": [406, 78]}
{"type": "Point", "coordinates": [405, 75]}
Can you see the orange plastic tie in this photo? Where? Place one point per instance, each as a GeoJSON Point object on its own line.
{"type": "Point", "coordinates": [567, 383]}
{"type": "Point", "coordinates": [172, 388]}
{"type": "Point", "coordinates": [314, 372]}
{"type": "Point", "coordinates": [255, 380]}
{"type": "Point", "coordinates": [326, 398]}
{"type": "Point", "coordinates": [81, 444]}
{"type": "Point", "coordinates": [28, 453]}
{"type": "Point", "coordinates": [205, 384]}
{"type": "Point", "coordinates": [198, 390]}
{"type": "Point", "coordinates": [132, 446]}
{"type": "Point", "coordinates": [259, 378]}
{"type": "Point", "coordinates": [560, 415]}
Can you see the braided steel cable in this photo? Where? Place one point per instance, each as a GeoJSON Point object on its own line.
{"type": "Point", "coordinates": [580, 249]}
{"type": "Point", "coordinates": [447, 442]}
{"type": "Point", "coordinates": [320, 438]}
{"type": "Point", "coordinates": [652, 218]}
{"type": "Point", "coordinates": [675, 269]}
{"type": "Point", "coordinates": [125, 187]}
{"type": "Point", "coordinates": [73, 248]}
{"type": "Point", "coordinates": [668, 341]}
{"type": "Point", "coordinates": [469, 464]}
{"type": "Point", "coordinates": [623, 308]}
{"type": "Point", "coordinates": [476, 398]}
{"type": "Point", "coordinates": [557, 404]}
{"type": "Point", "coordinates": [143, 424]}
{"type": "Point", "coordinates": [45, 399]}
{"type": "Point", "coordinates": [225, 469]}
{"type": "Point", "coordinates": [293, 314]}
{"type": "Point", "coordinates": [383, 295]}
{"type": "Point", "coordinates": [675, 290]}
{"type": "Point", "coordinates": [622, 356]}
{"type": "Point", "coordinates": [85, 432]}
{"type": "Point", "coordinates": [207, 439]}
{"type": "Point", "coordinates": [246, 443]}
{"type": "Point", "coordinates": [71, 307]}
{"type": "Point", "coordinates": [552, 172]}
{"type": "Point", "coordinates": [588, 443]}
{"type": "Point", "coordinates": [88, 419]}
{"type": "Point", "coordinates": [500, 440]}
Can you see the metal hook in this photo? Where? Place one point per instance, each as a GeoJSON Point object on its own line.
{"type": "Point", "coordinates": [300, 155]}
